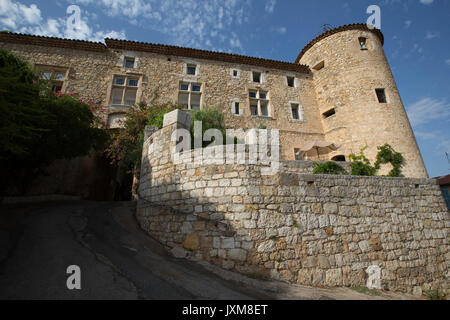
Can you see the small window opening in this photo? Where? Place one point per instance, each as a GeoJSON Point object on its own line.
{"type": "Point", "coordinates": [236, 108]}
{"type": "Point", "coordinates": [257, 77]}
{"type": "Point", "coordinates": [329, 113]}
{"type": "Point", "coordinates": [298, 154]}
{"type": "Point", "coordinates": [129, 62]}
{"type": "Point", "coordinates": [191, 69]}
{"type": "Point", "coordinates": [295, 113]}
{"type": "Point", "coordinates": [362, 43]}
{"type": "Point", "coordinates": [339, 158]}
{"type": "Point", "coordinates": [291, 82]}
{"type": "Point", "coordinates": [319, 66]}
{"type": "Point", "coordinates": [381, 94]}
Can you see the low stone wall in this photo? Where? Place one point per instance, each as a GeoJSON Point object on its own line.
{"type": "Point", "coordinates": [318, 230]}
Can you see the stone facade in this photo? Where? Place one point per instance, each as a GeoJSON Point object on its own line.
{"type": "Point", "coordinates": [317, 230]}
{"type": "Point", "coordinates": [347, 83]}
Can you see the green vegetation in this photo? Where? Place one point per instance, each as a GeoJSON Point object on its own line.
{"type": "Point", "coordinates": [211, 118]}
{"type": "Point", "coordinates": [37, 127]}
{"type": "Point", "coordinates": [295, 223]}
{"type": "Point", "coordinates": [436, 295]}
{"type": "Point", "coordinates": [329, 167]}
{"type": "Point", "coordinates": [262, 127]}
{"type": "Point", "coordinates": [387, 154]}
{"type": "Point", "coordinates": [361, 165]}
{"type": "Point", "coordinates": [125, 148]}
{"type": "Point", "coordinates": [365, 290]}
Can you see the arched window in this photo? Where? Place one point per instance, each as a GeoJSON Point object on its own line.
{"type": "Point", "coordinates": [339, 158]}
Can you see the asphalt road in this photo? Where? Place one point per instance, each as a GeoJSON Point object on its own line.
{"type": "Point", "coordinates": [117, 260]}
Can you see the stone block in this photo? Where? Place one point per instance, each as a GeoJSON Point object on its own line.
{"type": "Point", "coordinates": [177, 116]}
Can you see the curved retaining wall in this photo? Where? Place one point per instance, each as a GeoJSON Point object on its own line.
{"type": "Point", "coordinates": [317, 230]}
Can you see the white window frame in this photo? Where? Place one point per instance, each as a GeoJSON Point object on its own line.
{"type": "Point", "coordinates": [125, 62]}
{"type": "Point", "coordinates": [262, 78]}
{"type": "Point", "coordinates": [191, 63]}
{"type": "Point", "coordinates": [295, 81]}
{"type": "Point", "coordinates": [258, 99]}
{"type": "Point", "coordinates": [233, 108]}
{"type": "Point", "coordinates": [53, 70]}
{"type": "Point", "coordinates": [189, 92]}
{"type": "Point", "coordinates": [129, 55]}
{"type": "Point", "coordinates": [301, 112]}
{"type": "Point", "coordinates": [238, 76]}
{"type": "Point", "coordinates": [125, 88]}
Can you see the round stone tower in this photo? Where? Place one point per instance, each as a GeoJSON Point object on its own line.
{"type": "Point", "coordinates": [358, 99]}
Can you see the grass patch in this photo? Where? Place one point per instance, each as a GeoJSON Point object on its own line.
{"type": "Point", "coordinates": [295, 223]}
{"type": "Point", "coordinates": [258, 276]}
{"type": "Point", "coordinates": [436, 295]}
{"type": "Point", "coordinates": [365, 290]}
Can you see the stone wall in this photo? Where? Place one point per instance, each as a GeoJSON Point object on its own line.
{"type": "Point", "coordinates": [347, 83]}
{"type": "Point", "coordinates": [318, 230]}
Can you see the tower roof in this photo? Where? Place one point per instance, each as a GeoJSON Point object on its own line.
{"type": "Point", "coordinates": [354, 26]}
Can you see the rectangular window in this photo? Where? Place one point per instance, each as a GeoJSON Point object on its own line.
{"type": "Point", "coordinates": [381, 94]}
{"type": "Point", "coordinates": [55, 77]}
{"type": "Point", "coordinates": [133, 82]}
{"type": "Point", "coordinates": [253, 108]}
{"type": "Point", "coordinates": [124, 91]}
{"type": "Point", "coordinates": [236, 108]}
{"type": "Point", "coordinates": [129, 62]}
{"type": "Point", "coordinates": [190, 95]}
{"type": "Point", "coordinates": [259, 103]}
{"type": "Point", "coordinates": [191, 69]}
{"type": "Point", "coordinates": [291, 82]}
{"type": "Point", "coordinates": [117, 94]}
{"type": "Point", "coordinates": [329, 113]}
{"type": "Point", "coordinates": [295, 113]}
{"type": "Point", "coordinates": [119, 81]}
{"type": "Point", "coordinates": [256, 77]}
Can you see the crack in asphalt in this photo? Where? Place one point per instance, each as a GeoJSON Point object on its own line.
{"type": "Point", "coordinates": [78, 237]}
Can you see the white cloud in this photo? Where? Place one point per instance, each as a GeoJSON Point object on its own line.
{"type": "Point", "coordinates": [426, 2]}
{"type": "Point", "coordinates": [20, 18]}
{"type": "Point", "coordinates": [430, 35]}
{"type": "Point", "coordinates": [408, 24]}
{"type": "Point", "coordinates": [280, 30]}
{"type": "Point", "coordinates": [427, 110]}
{"type": "Point", "coordinates": [13, 14]}
{"type": "Point", "coordinates": [202, 24]}
{"type": "Point", "coordinates": [270, 6]}
{"type": "Point", "coordinates": [447, 62]}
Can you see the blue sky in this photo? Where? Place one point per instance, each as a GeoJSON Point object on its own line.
{"type": "Point", "coordinates": [416, 31]}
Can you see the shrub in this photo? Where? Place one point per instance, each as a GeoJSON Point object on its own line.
{"type": "Point", "coordinates": [211, 118]}
{"type": "Point", "coordinates": [387, 154]}
{"type": "Point", "coordinates": [37, 128]}
{"type": "Point", "coordinates": [361, 165]}
{"type": "Point", "coordinates": [329, 167]}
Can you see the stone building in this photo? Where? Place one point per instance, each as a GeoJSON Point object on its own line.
{"type": "Point", "coordinates": [340, 89]}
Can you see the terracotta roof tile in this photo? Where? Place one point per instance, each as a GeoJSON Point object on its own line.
{"type": "Point", "coordinates": [355, 26]}
{"type": "Point", "coordinates": [204, 54]}
{"type": "Point", "coordinates": [51, 42]}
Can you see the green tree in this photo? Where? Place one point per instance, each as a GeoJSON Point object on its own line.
{"type": "Point", "coordinates": [125, 148]}
{"type": "Point", "coordinates": [211, 118]}
{"type": "Point", "coordinates": [38, 129]}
